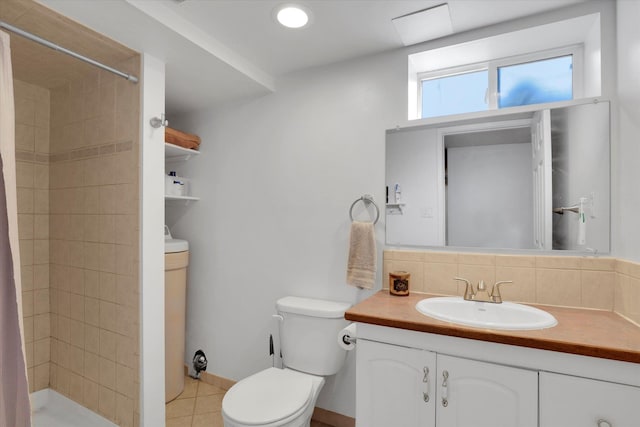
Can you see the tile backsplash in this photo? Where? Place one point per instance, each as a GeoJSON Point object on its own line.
{"type": "Point", "coordinates": [626, 299]}
{"type": "Point", "coordinates": [588, 282]}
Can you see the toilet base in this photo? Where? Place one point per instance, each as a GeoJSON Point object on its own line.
{"type": "Point", "coordinates": [302, 418]}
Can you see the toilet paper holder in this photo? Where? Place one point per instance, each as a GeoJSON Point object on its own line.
{"type": "Point", "coordinates": [349, 340]}
{"type": "Point", "coordinates": [347, 337]}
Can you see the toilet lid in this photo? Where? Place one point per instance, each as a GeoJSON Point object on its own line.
{"type": "Point", "coordinates": [268, 396]}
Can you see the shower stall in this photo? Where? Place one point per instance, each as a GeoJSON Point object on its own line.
{"type": "Point", "coordinates": [77, 165]}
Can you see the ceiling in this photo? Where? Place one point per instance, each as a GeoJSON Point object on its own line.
{"type": "Point", "coordinates": [36, 64]}
{"type": "Point", "coordinates": [339, 30]}
{"type": "Point", "coordinates": [220, 51]}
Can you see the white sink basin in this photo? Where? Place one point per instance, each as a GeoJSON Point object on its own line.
{"type": "Point", "coordinates": [506, 315]}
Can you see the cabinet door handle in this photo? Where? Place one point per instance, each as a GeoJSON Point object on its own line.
{"type": "Point", "coordinates": [604, 423]}
{"type": "Point", "coordinates": [425, 379]}
{"type": "Point", "coordinates": [445, 388]}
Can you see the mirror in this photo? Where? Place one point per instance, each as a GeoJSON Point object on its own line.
{"type": "Point", "coordinates": [538, 180]}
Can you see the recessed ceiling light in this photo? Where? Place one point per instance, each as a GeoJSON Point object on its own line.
{"type": "Point", "coordinates": [292, 16]}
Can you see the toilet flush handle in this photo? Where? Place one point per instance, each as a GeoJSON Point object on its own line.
{"type": "Point", "coordinates": [279, 318]}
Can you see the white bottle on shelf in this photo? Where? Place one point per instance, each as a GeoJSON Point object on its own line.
{"type": "Point", "coordinates": [168, 182]}
{"type": "Point", "coordinates": [398, 194]}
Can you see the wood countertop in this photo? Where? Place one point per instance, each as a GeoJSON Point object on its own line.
{"type": "Point", "coordinates": [586, 332]}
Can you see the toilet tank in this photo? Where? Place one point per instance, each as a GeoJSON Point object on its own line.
{"type": "Point", "coordinates": [309, 334]}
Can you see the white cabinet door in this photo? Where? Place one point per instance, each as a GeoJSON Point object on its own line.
{"type": "Point", "coordinates": [478, 394]}
{"type": "Point", "coordinates": [394, 386]}
{"type": "Point", "coordinates": [569, 401]}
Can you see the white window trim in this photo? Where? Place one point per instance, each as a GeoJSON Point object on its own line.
{"type": "Point", "coordinates": [492, 67]}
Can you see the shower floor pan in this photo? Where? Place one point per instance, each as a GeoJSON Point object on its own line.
{"type": "Point", "coordinates": [51, 409]}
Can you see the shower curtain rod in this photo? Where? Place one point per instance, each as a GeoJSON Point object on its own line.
{"type": "Point", "coordinates": [54, 46]}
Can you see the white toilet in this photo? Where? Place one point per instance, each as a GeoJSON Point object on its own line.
{"type": "Point", "coordinates": [286, 397]}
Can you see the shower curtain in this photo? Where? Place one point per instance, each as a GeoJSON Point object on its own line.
{"type": "Point", "coordinates": [15, 409]}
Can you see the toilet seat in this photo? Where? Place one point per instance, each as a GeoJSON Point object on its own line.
{"type": "Point", "coordinates": [268, 397]}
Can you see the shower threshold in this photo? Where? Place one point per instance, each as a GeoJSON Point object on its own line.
{"type": "Point", "coordinates": [51, 409]}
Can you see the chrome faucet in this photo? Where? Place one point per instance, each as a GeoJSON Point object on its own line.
{"type": "Point", "coordinates": [481, 293]}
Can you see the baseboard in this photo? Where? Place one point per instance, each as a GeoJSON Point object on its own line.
{"type": "Point", "coordinates": [332, 418]}
{"type": "Point", "coordinates": [322, 415]}
{"type": "Point", "coordinates": [223, 383]}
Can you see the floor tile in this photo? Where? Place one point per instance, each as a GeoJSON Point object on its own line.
{"type": "Point", "coordinates": [205, 389]}
{"type": "Point", "coordinates": [211, 403]}
{"type": "Point", "coordinates": [179, 422]}
{"type": "Point", "coordinates": [212, 419]}
{"type": "Point", "coordinates": [190, 388]}
{"type": "Point", "coordinates": [180, 408]}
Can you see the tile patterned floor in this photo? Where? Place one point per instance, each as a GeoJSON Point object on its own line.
{"type": "Point", "coordinates": [199, 405]}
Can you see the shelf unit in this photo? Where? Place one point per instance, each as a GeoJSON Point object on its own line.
{"type": "Point", "coordinates": [175, 153]}
{"type": "Point", "coordinates": [185, 198]}
{"type": "Point", "coordinates": [395, 208]}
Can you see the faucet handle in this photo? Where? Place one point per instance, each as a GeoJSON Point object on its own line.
{"type": "Point", "coordinates": [462, 279]}
{"type": "Point", "coordinates": [495, 291]}
{"type": "Point", "coordinates": [469, 293]}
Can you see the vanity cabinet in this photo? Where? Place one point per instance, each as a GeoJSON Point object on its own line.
{"type": "Point", "coordinates": [395, 386]}
{"type": "Point", "coordinates": [570, 401]}
{"type": "Point", "coordinates": [585, 371]}
{"type": "Point", "coordinates": [402, 386]}
{"type": "Point", "coordinates": [480, 394]}
{"type": "Point", "coordinates": [415, 379]}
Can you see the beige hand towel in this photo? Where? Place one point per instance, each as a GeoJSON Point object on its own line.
{"type": "Point", "coordinates": [361, 267]}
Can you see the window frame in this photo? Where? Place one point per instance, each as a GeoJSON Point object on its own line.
{"type": "Point", "coordinates": [491, 97]}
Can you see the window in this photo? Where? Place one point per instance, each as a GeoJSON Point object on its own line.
{"type": "Point", "coordinates": [509, 82]}
{"type": "Point", "coordinates": [454, 94]}
{"type": "Point", "coordinates": [568, 52]}
{"type": "Point", "coordinates": [547, 80]}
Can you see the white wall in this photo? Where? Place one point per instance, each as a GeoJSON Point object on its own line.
{"type": "Point", "coordinates": [490, 196]}
{"type": "Point", "coordinates": [626, 224]}
{"type": "Point", "coordinates": [277, 176]}
{"type": "Point", "coordinates": [592, 62]}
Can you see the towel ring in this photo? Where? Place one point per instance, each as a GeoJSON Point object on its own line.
{"type": "Point", "coordinates": [365, 199]}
